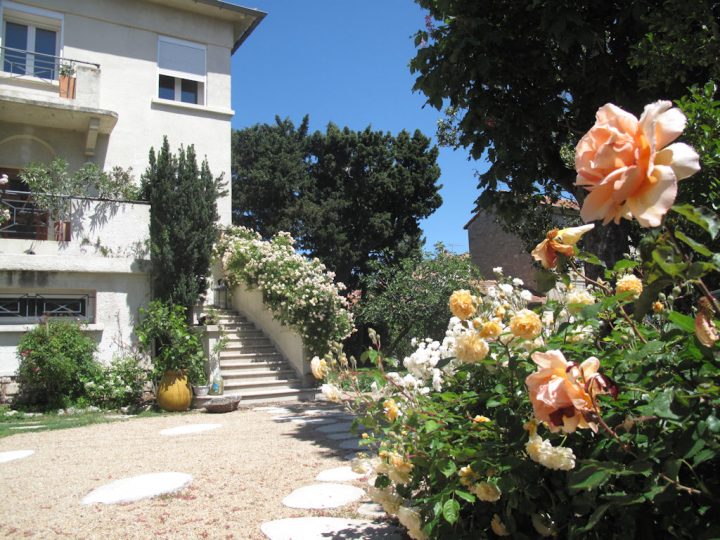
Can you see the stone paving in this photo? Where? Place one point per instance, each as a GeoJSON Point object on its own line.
{"type": "Point", "coordinates": [333, 490]}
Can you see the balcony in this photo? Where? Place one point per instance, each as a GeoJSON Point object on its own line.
{"type": "Point", "coordinates": [30, 94]}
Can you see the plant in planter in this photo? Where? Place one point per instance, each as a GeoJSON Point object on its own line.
{"type": "Point", "coordinates": [67, 81]}
{"type": "Point", "coordinates": [178, 358]}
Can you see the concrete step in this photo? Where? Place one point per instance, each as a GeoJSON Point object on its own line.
{"type": "Point", "coordinates": [243, 342]}
{"type": "Point", "coordinates": [250, 364]}
{"type": "Point", "coordinates": [252, 373]}
{"type": "Point", "coordinates": [240, 385]}
{"type": "Point", "coordinates": [234, 335]}
{"type": "Point", "coordinates": [252, 349]}
{"type": "Point", "coordinates": [271, 396]}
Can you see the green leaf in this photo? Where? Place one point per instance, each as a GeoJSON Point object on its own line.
{"type": "Point", "coordinates": [469, 497]}
{"type": "Point", "coordinates": [595, 517]}
{"type": "Point", "coordinates": [589, 476]}
{"type": "Point", "coordinates": [682, 321]}
{"type": "Point", "coordinates": [431, 425]}
{"type": "Point", "coordinates": [451, 511]}
{"type": "Point", "coordinates": [624, 264]}
{"type": "Point", "coordinates": [448, 468]}
{"type": "Point", "coordinates": [590, 258]}
{"type": "Point", "coordinates": [661, 405]}
{"type": "Point", "coordinates": [665, 258]}
{"type": "Point", "coordinates": [696, 246]}
{"type": "Point", "coordinates": [703, 217]}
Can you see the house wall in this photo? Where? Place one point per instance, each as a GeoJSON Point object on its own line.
{"type": "Point", "coordinates": [123, 38]}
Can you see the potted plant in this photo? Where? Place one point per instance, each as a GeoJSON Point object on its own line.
{"type": "Point", "coordinates": [178, 358]}
{"type": "Point", "coordinates": [67, 81]}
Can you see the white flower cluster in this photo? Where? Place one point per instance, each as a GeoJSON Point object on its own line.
{"type": "Point", "coordinates": [547, 455]}
{"type": "Point", "coordinates": [300, 291]}
{"type": "Point", "coordinates": [4, 215]}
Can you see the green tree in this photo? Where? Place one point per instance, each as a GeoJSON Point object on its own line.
{"type": "Point", "coordinates": [410, 299]}
{"type": "Point", "coordinates": [348, 197]}
{"type": "Point", "coordinates": [524, 79]}
{"type": "Point", "coordinates": [183, 223]}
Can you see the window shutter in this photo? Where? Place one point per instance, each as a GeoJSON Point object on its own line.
{"type": "Point", "coordinates": [181, 60]}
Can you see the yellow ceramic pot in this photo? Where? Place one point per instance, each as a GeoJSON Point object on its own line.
{"type": "Point", "coordinates": [174, 392]}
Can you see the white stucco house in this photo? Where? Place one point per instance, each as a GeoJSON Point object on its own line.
{"type": "Point", "coordinates": [143, 69]}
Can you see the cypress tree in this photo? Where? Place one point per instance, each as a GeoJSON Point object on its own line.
{"type": "Point", "coordinates": [183, 223]}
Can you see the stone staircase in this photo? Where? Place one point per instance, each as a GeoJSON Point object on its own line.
{"type": "Point", "coordinates": [253, 368]}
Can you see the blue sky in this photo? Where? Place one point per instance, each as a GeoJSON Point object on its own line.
{"type": "Point", "coordinates": [347, 63]}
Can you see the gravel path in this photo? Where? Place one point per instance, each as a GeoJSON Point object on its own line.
{"type": "Point", "coordinates": [241, 472]}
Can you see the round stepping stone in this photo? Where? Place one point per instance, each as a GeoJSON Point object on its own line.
{"type": "Point", "coordinates": [372, 510]}
{"type": "Point", "coordinates": [304, 421]}
{"type": "Point", "coordinates": [323, 496]}
{"type": "Point", "coordinates": [322, 528]}
{"type": "Point", "coordinates": [15, 454]}
{"type": "Point", "coordinates": [341, 436]}
{"type": "Point", "coordinates": [189, 429]}
{"type": "Point", "coordinates": [278, 410]}
{"type": "Point", "coordinates": [138, 487]}
{"type": "Point", "coordinates": [335, 427]}
{"type": "Point", "coordinates": [338, 474]}
{"type": "Point", "coordinates": [27, 427]}
{"type": "Point", "coordinates": [351, 444]}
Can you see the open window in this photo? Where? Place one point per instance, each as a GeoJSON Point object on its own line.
{"type": "Point", "coordinates": [182, 71]}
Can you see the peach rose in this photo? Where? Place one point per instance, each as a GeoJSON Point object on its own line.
{"type": "Point", "coordinates": [561, 391]}
{"type": "Point", "coordinates": [629, 166]}
{"type": "Point", "coordinates": [558, 241]}
{"type": "Point", "coordinates": [471, 348]}
{"type": "Point", "coordinates": [705, 329]}
{"type": "Point", "coordinates": [629, 283]}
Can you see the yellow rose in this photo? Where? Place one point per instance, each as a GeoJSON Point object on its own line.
{"type": "Point", "coordinates": [471, 348]}
{"type": "Point", "coordinates": [498, 527]}
{"type": "Point", "coordinates": [487, 492]}
{"type": "Point", "coordinates": [480, 419]}
{"type": "Point", "coordinates": [461, 304]}
{"type": "Point", "coordinates": [318, 367]}
{"type": "Point", "coordinates": [629, 283]}
{"type": "Point", "coordinates": [491, 329]}
{"type": "Point", "coordinates": [526, 324]}
{"type": "Point", "coordinates": [391, 409]}
{"type": "Point", "coordinates": [658, 307]}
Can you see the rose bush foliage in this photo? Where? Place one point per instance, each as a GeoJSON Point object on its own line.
{"type": "Point", "coordinates": [594, 415]}
{"type": "Point", "coordinates": [300, 291]}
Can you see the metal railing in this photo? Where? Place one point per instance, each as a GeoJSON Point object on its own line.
{"type": "Point", "coordinates": [43, 66]}
{"type": "Point", "coordinates": [31, 306]}
{"type": "Point", "coordinates": [27, 221]}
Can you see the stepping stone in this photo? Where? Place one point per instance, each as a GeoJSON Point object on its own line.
{"type": "Point", "coordinates": [323, 496]}
{"type": "Point", "coordinates": [189, 429]}
{"type": "Point", "coordinates": [341, 436]}
{"type": "Point", "coordinates": [15, 454]}
{"type": "Point", "coordinates": [27, 427]}
{"type": "Point", "coordinates": [138, 487]}
{"type": "Point", "coordinates": [308, 421]}
{"type": "Point", "coordinates": [338, 474]}
{"type": "Point", "coordinates": [323, 528]}
{"type": "Point", "coordinates": [119, 416]}
{"type": "Point", "coordinates": [350, 457]}
{"type": "Point", "coordinates": [276, 410]}
{"type": "Point", "coordinates": [289, 418]}
{"type": "Point", "coordinates": [335, 427]}
{"type": "Point", "coordinates": [371, 510]}
{"type": "Point", "coordinates": [351, 444]}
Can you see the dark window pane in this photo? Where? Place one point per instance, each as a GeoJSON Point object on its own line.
{"type": "Point", "coordinates": [15, 38]}
{"type": "Point", "coordinates": [167, 87]}
{"type": "Point", "coordinates": [45, 52]}
{"type": "Point", "coordinates": [188, 91]}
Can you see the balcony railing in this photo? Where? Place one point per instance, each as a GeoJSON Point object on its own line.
{"type": "Point", "coordinates": [43, 66]}
{"type": "Point", "coordinates": [27, 221]}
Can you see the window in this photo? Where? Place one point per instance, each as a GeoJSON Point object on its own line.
{"type": "Point", "coordinates": [31, 41]}
{"type": "Point", "coordinates": [30, 307]}
{"type": "Point", "coordinates": [181, 71]}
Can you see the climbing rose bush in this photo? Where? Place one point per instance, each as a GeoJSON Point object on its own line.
{"type": "Point", "coordinates": [592, 415]}
{"type": "Point", "coordinates": [300, 292]}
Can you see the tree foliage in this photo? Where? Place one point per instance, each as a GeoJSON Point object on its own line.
{"type": "Point", "coordinates": [183, 217]}
{"type": "Point", "coordinates": [409, 300]}
{"type": "Point", "coordinates": [348, 197]}
{"type": "Point", "coordinates": [523, 80]}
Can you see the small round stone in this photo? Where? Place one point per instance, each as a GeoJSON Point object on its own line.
{"type": "Point", "coordinates": [319, 496]}
{"type": "Point", "coordinates": [189, 429]}
{"type": "Point", "coordinates": [323, 528]}
{"type": "Point", "coordinates": [138, 487]}
{"type": "Point", "coordinates": [15, 454]}
{"type": "Point", "coordinates": [338, 474]}
{"type": "Point", "coordinates": [371, 510]}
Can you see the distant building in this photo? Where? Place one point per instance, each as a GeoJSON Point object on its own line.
{"type": "Point", "coordinates": [491, 246]}
{"type": "Point", "coordinates": [140, 69]}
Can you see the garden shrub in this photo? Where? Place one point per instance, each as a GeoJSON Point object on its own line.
{"type": "Point", "coordinates": [119, 384]}
{"type": "Point", "coordinates": [299, 291]}
{"type": "Point", "coordinates": [55, 359]}
{"type": "Point", "coordinates": [594, 416]}
{"type": "Point", "coordinates": [164, 334]}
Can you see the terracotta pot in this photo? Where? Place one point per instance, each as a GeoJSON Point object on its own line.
{"type": "Point", "coordinates": [174, 392]}
{"type": "Point", "coordinates": [67, 87]}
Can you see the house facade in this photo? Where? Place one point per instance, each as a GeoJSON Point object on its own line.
{"type": "Point", "coordinates": [102, 81]}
